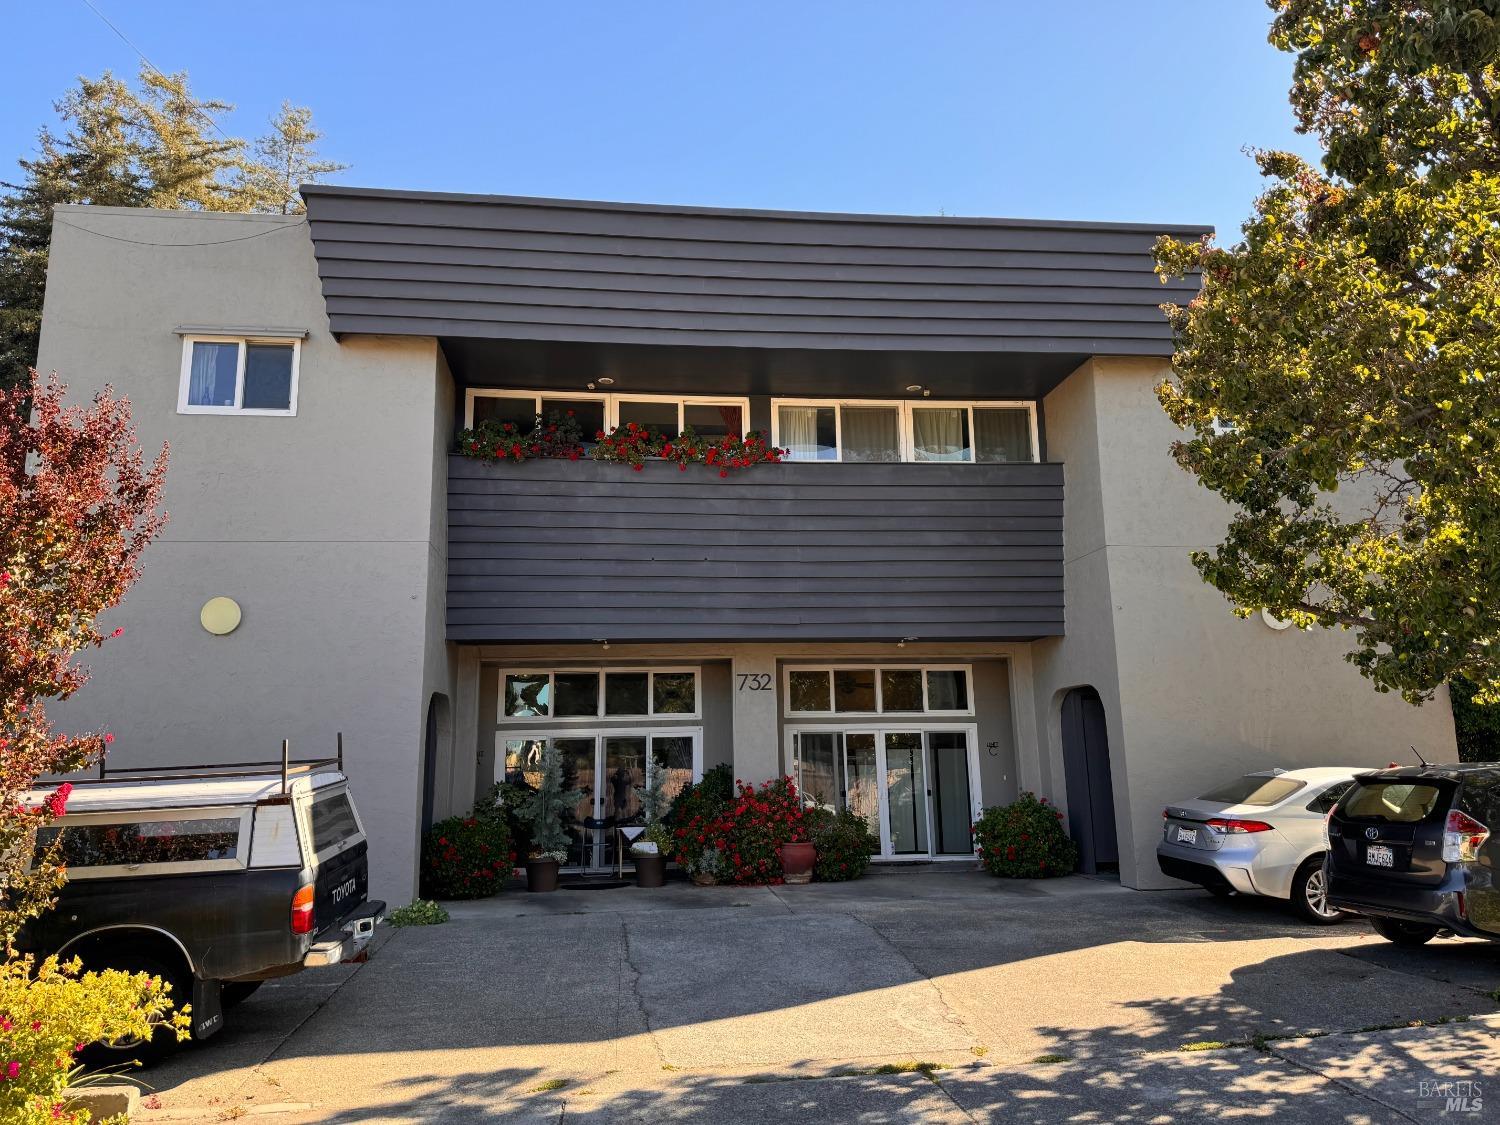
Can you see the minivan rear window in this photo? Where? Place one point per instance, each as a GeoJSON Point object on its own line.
{"type": "Point", "coordinates": [332, 822]}
{"type": "Point", "coordinates": [1395, 802]}
{"type": "Point", "coordinates": [1254, 789]}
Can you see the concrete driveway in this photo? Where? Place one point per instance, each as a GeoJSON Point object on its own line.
{"type": "Point", "coordinates": [921, 995]}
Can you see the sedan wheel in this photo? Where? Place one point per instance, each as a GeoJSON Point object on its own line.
{"type": "Point", "coordinates": [1310, 894]}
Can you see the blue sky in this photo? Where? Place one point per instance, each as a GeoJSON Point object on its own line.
{"type": "Point", "coordinates": [1086, 110]}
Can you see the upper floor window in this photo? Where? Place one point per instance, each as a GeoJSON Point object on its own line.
{"type": "Point", "coordinates": [817, 430]}
{"type": "Point", "coordinates": [238, 375]}
{"type": "Point", "coordinates": [668, 415]}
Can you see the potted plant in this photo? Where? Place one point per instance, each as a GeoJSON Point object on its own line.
{"type": "Point", "coordinates": [649, 849]}
{"type": "Point", "coordinates": [542, 812]}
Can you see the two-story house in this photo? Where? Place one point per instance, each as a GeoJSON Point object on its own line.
{"type": "Point", "coordinates": [968, 577]}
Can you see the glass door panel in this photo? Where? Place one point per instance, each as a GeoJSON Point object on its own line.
{"type": "Point", "coordinates": [577, 756]}
{"type": "Point", "coordinates": [817, 767]}
{"type": "Point", "coordinates": [672, 754]}
{"type": "Point", "coordinates": [952, 807]}
{"type": "Point", "coordinates": [624, 772]}
{"type": "Point", "coordinates": [861, 777]}
{"type": "Point", "coordinates": [906, 793]}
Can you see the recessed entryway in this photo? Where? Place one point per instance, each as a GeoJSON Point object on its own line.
{"type": "Point", "coordinates": [1090, 788]}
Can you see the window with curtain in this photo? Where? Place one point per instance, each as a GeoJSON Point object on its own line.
{"type": "Point", "coordinates": [714, 419]}
{"type": "Point", "coordinates": [227, 376]}
{"type": "Point", "coordinates": [1002, 434]}
{"type": "Point", "coordinates": [940, 433]}
{"type": "Point", "coordinates": [871, 433]}
{"type": "Point", "coordinates": [807, 433]}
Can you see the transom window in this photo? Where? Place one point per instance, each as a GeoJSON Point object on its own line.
{"type": "Point", "coordinates": [238, 375]}
{"type": "Point", "coordinates": [866, 431]}
{"type": "Point", "coordinates": [599, 693]}
{"type": "Point", "coordinates": [873, 690]}
{"type": "Point", "coordinates": [667, 414]}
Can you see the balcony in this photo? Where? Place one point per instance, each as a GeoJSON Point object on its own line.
{"type": "Point", "coordinates": [581, 551]}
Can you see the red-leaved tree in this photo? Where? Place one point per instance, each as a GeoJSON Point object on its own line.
{"type": "Point", "coordinates": [78, 505]}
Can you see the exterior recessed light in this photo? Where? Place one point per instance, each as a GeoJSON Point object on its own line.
{"type": "Point", "coordinates": [914, 388]}
{"type": "Point", "coordinates": [606, 381]}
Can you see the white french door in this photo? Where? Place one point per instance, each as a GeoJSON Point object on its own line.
{"type": "Point", "coordinates": [917, 787]}
{"type": "Point", "coordinates": [607, 767]}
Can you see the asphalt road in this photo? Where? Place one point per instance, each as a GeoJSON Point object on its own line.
{"type": "Point", "coordinates": [927, 995]}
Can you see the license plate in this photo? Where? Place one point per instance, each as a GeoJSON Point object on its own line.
{"type": "Point", "coordinates": [1187, 835]}
{"type": "Point", "coordinates": [1377, 855]}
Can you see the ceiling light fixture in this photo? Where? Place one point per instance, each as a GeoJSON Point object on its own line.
{"type": "Point", "coordinates": [914, 388]}
{"type": "Point", "coordinates": [606, 381]}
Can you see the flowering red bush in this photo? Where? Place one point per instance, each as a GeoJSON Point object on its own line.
{"type": "Point", "coordinates": [633, 444]}
{"type": "Point", "coordinates": [466, 857]}
{"type": "Point", "coordinates": [1025, 840]}
{"type": "Point", "coordinates": [556, 435]}
{"type": "Point", "coordinates": [742, 839]}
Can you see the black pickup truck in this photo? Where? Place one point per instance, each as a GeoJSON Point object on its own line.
{"type": "Point", "coordinates": [214, 879]}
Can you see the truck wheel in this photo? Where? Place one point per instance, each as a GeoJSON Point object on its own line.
{"type": "Point", "coordinates": [1310, 894]}
{"type": "Point", "coordinates": [233, 992]}
{"type": "Point", "coordinates": [164, 1041]}
{"type": "Point", "coordinates": [1408, 935]}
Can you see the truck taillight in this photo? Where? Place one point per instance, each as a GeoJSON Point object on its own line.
{"type": "Point", "coordinates": [1462, 837]}
{"type": "Point", "coordinates": [302, 911]}
{"type": "Point", "coordinates": [1231, 824]}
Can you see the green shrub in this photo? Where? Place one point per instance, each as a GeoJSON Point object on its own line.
{"type": "Point", "coordinates": [1025, 840]}
{"type": "Point", "coordinates": [48, 1009]}
{"type": "Point", "coordinates": [844, 842]}
{"type": "Point", "coordinates": [466, 857]}
{"type": "Point", "coordinates": [423, 912]}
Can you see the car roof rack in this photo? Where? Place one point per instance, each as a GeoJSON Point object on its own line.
{"type": "Point", "coordinates": [286, 766]}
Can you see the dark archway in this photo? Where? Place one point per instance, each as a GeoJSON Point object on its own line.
{"type": "Point", "coordinates": [1091, 796]}
{"type": "Point", "coordinates": [438, 733]}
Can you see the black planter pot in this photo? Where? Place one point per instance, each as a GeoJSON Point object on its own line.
{"type": "Point", "coordinates": [650, 870]}
{"type": "Point", "coordinates": [541, 874]}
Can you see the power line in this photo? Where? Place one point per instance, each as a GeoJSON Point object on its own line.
{"type": "Point", "coordinates": [126, 40]}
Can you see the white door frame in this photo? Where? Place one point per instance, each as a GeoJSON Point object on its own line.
{"type": "Point", "coordinates": [970, 731]}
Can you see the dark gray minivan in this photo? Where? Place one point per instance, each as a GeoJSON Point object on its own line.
{"type": "Point", "coordinates": [1414, 850]}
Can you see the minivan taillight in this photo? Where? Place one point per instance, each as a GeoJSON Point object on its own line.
{"type": "Point", "coordinates": [302, 911]}
{"type": "Point", "coordinates": [1462, 837]}
{"type": "Point", "coordinates": [1231, 825]}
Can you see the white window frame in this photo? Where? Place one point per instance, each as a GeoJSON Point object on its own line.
{"type": "Point", "coordinates": [244, 342]}
{"type": "Point", "coordinates": [611, 403]}
{"type": "Point", "coordinates": [904, 426]}
{"type": "Point", "coordinates": [599, 714]}
{"type": "Point", "coordinates": [598, 734]}
{"type": "Point", "coordinates": [879, 712]}
{"type": "Point", "coordinates": [240, 861]}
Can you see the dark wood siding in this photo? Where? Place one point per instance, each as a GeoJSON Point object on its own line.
{"type": "Point", "coordinates": [503, 267]}
{"type": "Point", "coordinates": [565, 551]}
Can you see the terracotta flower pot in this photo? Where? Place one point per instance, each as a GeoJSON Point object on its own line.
{"type": "Point", "coordinates": [541, 874]}
{"type": "Point", "coordinates": [797, 862]}
{"type": "Point", "coordinates": [650, 870]}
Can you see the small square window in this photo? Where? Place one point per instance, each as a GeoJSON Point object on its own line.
{"type": "Point", "coordinates": [808, 691]}
{"type": "Point", "coordinates": [233, 376]}
{"type": "Point", "coordinates": [626, 693]}
{"type": "Point", "coordinates": [575, 695]}
{"type": "Point", "coordinates": [528, 697]}
{"type": "Point", "coordinates": [947, 691]}
{"type": "Point", "coordinates": [854, 689]}
{"type": "Point", "coordinates": [673, 693]}
{"type": "Point", "coordinates": [900, 689]}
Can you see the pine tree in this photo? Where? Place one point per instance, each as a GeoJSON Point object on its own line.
{"type": "Point", "coordinates": [543, 811]}
{"type": "Point", "coordinates": [155, 146]}
{"type": "Point", "coordinates": [286, 158]}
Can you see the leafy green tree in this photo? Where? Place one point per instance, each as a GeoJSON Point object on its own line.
{"type": "Point", "coordinates": [157, 145]}
{"type": "Point", "coordinates": [1337, 371]}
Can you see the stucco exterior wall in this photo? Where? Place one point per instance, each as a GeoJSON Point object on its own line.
{"type": "Point", "coordinates": [322, 526]}
{"type": "Point", "coordinates": [1198, 694]}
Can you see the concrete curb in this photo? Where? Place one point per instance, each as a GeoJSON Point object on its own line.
{"type": "Point", "coordinates": [105, 1101]}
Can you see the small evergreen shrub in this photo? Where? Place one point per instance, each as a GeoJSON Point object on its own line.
{"type": "Point", "coordinates": [466, 857]}
{"type": "Point", "coordinates": [423, 912]}
{"type": "Point", "coordinates": [1025, 840]}
{"type": "Point", "coordinates": [844, 843]}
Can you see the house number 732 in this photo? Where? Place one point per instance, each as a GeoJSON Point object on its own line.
{"type": "Point", "coordinates": [755, 681]}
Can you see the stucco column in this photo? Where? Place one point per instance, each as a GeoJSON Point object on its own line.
{"type": "Point", "coordinates": [757, 756]}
